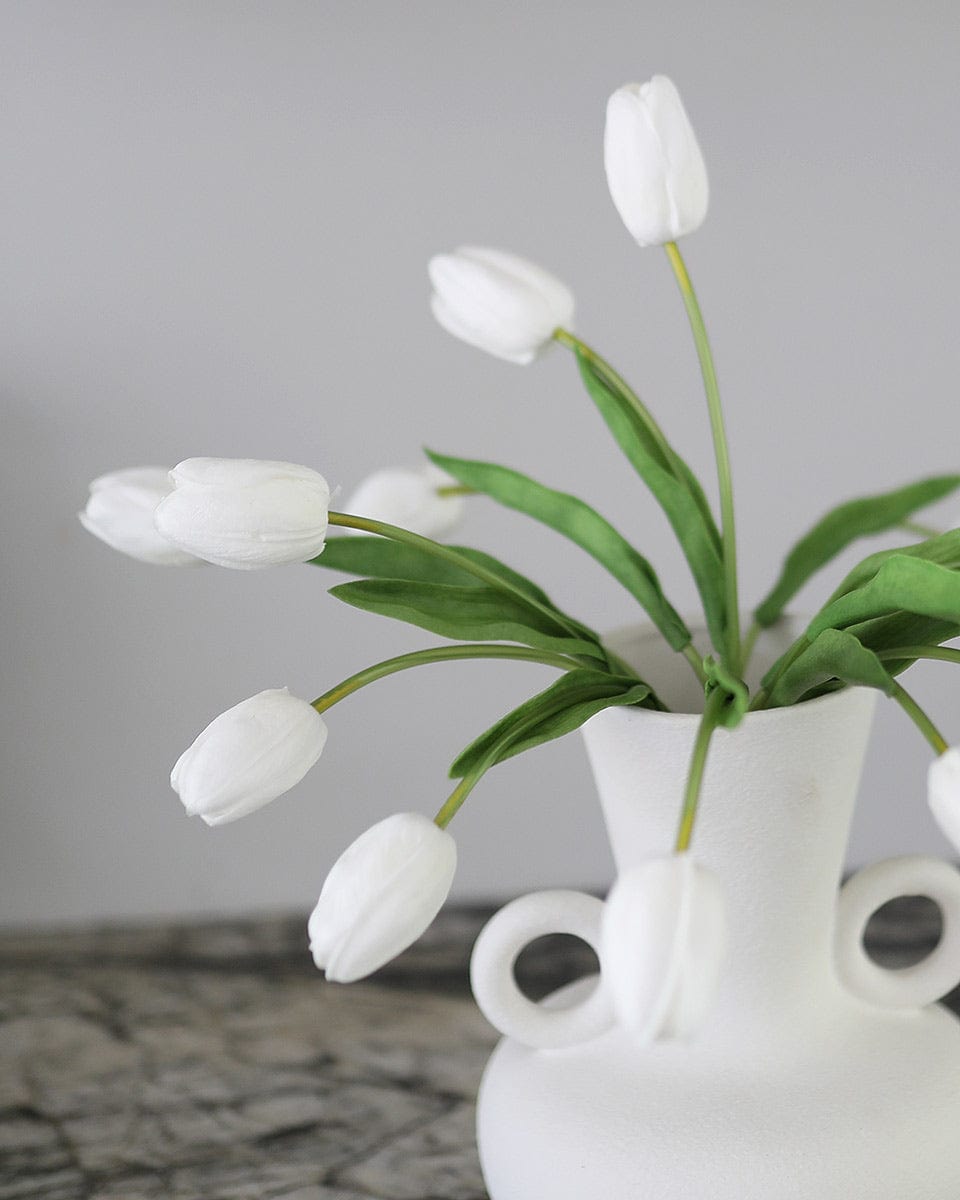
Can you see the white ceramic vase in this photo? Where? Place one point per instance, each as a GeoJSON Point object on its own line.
{"type": "Point", "coordinates": [818, 1075]}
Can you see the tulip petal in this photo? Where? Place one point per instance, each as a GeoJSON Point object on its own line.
{"type": "Point", "coordinates": [943, 789]}
{"type": "Point", "coordinates": [248, 756]}
{"type": "Point", "coordinates": [662, 944]}
{"type": "Point", "coordinates": [654, 166]}
{"type": "Point", "coordinates": [244, 513]}
{"type": "Point", "coordinates": [380, 895]}
{"type": "Point", "coordinates": [120, 513]}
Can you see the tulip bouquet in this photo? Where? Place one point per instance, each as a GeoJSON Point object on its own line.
{"type": "Point", "coordinates": [894, 608]}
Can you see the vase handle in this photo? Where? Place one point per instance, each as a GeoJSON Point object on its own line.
{"type": "Point", "coordinates": [868, 890]}
{"type": "Point", "coordinates": [495, 987]}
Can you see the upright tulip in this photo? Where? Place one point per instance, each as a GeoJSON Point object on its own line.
{"type": "Point", "coordinates": [655, 171]}
{"type": "Point", "coordinates": [943, 791]}
{"type": "Point", "coordinates": [380, 895]}
{"type": "Point", "coordinates": [246, 513]}
{"type": "Point", "coordinates": [120, 512]}
{"type": "Point", "coordinates": [661, 947]}
{"type": "Point", "coordinates": [498, 302]}
{"type": "Point", "coordinates": [248, 756]}
{"type": "Point", "coordinates": [409, 498]}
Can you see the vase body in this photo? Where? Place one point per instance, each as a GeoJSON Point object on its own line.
{"type": "Point", "coordinates": [808, 1081]}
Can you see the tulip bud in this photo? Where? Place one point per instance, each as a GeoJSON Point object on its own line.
{"type": "Point", "coordinates": [380, 895]}
{"type": "Point", "coordinates": [498, 302]}
{"type": "Point", "coordinates": [410, 499]}
{"type": "Point", "coordinates": [943, 793]}
{"type": "Point", "coordinates": [120, 512]}
{"type": "Point", "coordinates": [248, 756]}
{"type": "Point", "coordinates": [245, 513]}
{"type": "Point", "coordinates": [662, 943]}
{"type": "Point", "coordinates": [655, 171]}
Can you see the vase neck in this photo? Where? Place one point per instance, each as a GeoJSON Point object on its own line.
{"type": "Point", "coordinates": [773, 821]}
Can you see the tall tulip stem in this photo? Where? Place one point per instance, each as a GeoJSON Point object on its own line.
{"type": "Point", "coordinates": [698, 762]}
{"type": "Point", "coordinates": [731, 651]}
{"type": "Point", "coordinates": [421, 658]}
{"type": "Point", "coordinates": [920, 719]}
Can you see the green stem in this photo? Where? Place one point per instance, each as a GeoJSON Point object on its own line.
{"type": "Point", "coordinates": [942, 653]}
{"type": "Point", "coordinates": [724, 475]}
{"type": "Point", "coordinates": [695, 661]}
{"type": "Point", "coordinates": [749, 642]}
{"type": "Point", "coordinates": [924, 531]}
{"type": "Point", "coordinates": [420, 658]}
{"type": "Point", "coordinates": [605, 370]}
{"type": "Point", "coordinates": [919, 718]}
{"type": "Point", "coordinates": [456, 489]}
{"type": "Point", "coordinates": [698, 761]}
{"type": "Point", "coordinates": [451, 806]}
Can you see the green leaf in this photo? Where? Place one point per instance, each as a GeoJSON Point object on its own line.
{"type": "Point", "coordinates": [902, 584]}
{"type": "Point", "coordinates": [381, 558]}
{"type": "Point", "coordinates": [843, 525]}
{"type": "Point", "coordinates": [833, 654]}
{"type": "Point", "coordinates": [582, 525]}
{"type": "Point", "coordinates": [673, 485]}
{"type": "Point", "coordinates": [564, 706]}
{"type": "Point", "coordinates": [464, 613]}
{"type": "Point", "coordinates": [943, 549]}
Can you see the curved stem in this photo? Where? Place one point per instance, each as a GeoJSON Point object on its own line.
{"type": "Point", "coordinates": [924, 531]}
{"type": "Point", "coordinates": [749, 642]}
{"type": "Point", "coordinates": [698, 762]}
{"type": "Point", "coordinates": [695, 661]}
{"type": "Point", "coordinates": [941, 653]}
{"type": "Point", "coordinates": [604, 369]}
{"type": "Point", "coordinates": [721, 451]}
{"type": "Point", "coordinates": [421, 658]}
{"type": "Point", "coordinates": [920, 719]}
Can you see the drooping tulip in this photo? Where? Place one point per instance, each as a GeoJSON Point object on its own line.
{"type": "Point", "coordinates": [380, 895]}
{"type": "Point", "coordinates": [120, 512]}
{"type": "Point", "coordinates": [246, 513]}
{"type": "Point", "coordinates": [655, 171]}
{"type": "Point", "coordinates": [409, 498]}
{"type": "Point", "coordinates": [498, 302]}
{"type": "Point", "coordinates": [248, 756]}
{"type": "Point", "coordinates": [662, 942]}
{"type": "Point", "coordinates": [943, 793]}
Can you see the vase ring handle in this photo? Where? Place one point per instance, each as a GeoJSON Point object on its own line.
{"type": "Point", "coordinates": [907, 987]}
{"type": "Point", "coordinates": [494, 984]}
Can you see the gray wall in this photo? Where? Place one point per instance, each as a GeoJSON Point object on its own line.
{"type": "Point", "coordinates": [215, 220]}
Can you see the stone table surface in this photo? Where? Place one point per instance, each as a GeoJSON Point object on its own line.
{"type": "Point", "coordinates": [210, 1061]}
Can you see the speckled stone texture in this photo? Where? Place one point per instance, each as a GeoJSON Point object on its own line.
{"type": "Point", "coordinates": [212, 1062]}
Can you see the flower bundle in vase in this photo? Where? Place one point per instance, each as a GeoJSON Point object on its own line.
{"type": "Point", "coordinates": [661, 933]}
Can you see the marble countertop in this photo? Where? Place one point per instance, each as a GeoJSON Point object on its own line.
{"type": "Point", "coordinates": [210, 1061]}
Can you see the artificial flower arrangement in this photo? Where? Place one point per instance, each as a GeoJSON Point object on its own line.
{"type": "Point", "coordinates": [894, 608]}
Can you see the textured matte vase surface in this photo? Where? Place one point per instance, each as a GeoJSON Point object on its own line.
{"type": "Point", "coordinates": [817, 1076]}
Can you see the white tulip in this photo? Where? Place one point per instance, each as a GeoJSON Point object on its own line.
{"type": "Point", "coordinates": [380, 895]}
{"type": "Point", "coordinates": [655, 171]}
{"type": "Point", "coordinates": [662, 942]}
{"type": "Point", "coordinates": [248, 756]}
{"type": "Point", "coordinates": [120, 512]}
{"type": "Point", "coordinates": [409, 498]}
{"type": "Point", "coordinates": [498, 302]}
{"type": "Point", "coordinates": [943, 793]}
{"type": "Point", "coordinates": [246, 513]}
